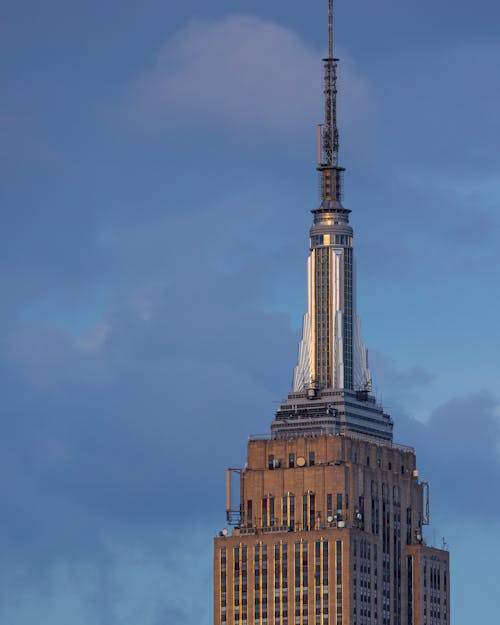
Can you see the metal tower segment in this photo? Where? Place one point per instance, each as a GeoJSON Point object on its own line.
{"type": "Point", "coordinates": [330, 130]}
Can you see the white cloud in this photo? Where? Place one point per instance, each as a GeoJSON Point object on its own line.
{"type": "Point", "coordinates": [243, 74]}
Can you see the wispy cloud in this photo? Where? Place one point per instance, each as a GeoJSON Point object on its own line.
{"type": "Point", "coordinates": [458, 450]}
{"type": "Point", "coordinates": [244, 74]}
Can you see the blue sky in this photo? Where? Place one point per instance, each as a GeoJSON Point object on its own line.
{"type": "Point", "coordinates": [157, 173]}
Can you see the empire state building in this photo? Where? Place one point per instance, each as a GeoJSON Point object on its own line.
{"type": "Point", "coordinates": [327, 522]}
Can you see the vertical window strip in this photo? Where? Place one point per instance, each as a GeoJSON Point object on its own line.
{"type": "Point", "coordinates": [244, 585]}
{"type": "Point", "coordinates": [312, 511]}
{"type": "Point", "coordinates": [264, 584]}
{"type": "Point", "coordinates": [321, 582]}
{"type": "Point", "coordinates": [297, 584]}
{"type": "Point", "coordinates": [317, 582]}
{"type": "Point", "coordinates": [237, 585]}
{"type": "Point", "coordinates": [347, 486]}
{"type": "Point", "coordinates": [284, 584]}
{"type": "Point", "coordinates": [410, 590]}
{"type": "Point", "coordinates": [325, 590]}
{"type": "Point", "coordinates": [355, 581]}
{"type": "Point", "coordinates": [305, 585]}
{"type": "Point", "coordinates": [223, 585]}
{"type": "Point", "coordinates": [386, 569]}
{"type": "Point", "coordinates": [257, 583]}
{"type": "Point", "coordinates": [278, 596]}
{"type": "Point", "coordinates": [338, 573]}
{"type": "Point", "coordinates": [396, 557]}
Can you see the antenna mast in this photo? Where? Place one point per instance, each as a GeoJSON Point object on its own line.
{"type": "Point", "coordinates": [330, 131]}
{"type": "Point", "coordinates": [329, 150]}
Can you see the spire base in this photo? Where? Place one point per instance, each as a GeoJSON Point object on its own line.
{"type": "Point", "coordinates": [331, 183]}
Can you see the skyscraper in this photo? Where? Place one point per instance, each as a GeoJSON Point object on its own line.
{"type": "Point", "coordinates": [328, 523]}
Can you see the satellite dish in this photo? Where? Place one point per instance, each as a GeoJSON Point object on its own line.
{"type": "Point", "coordinates": [330, 519]}
{"type": "Point", "coordinates": [301, 462]}
{"type": "Point", "coordinates": [224, 531]}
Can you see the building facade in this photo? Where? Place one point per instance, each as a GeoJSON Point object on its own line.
{"type": "Point", "coordinates": [329, 515]}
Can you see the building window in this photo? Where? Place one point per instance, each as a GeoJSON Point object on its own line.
{"type": "Point", "coordinates": [339, 503]}
{"type": "Point", "coordinates": [271, 510]}
{"type": "Point", "coordinates": [385, 493]}
{"type": "Point", "coordinates": [312, 511]}
{"type": "Point", "coordinates": [291, 460]}
{"type": "Point", "coordinates": [311, 458]}
{"type": "Point", "coordinates": [271, 462]}
{"type": "Point", "coordinates": [249, 513]}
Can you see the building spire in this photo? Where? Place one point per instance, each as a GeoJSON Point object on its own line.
{"type": "Point", "coordinates": [329, 150]}
{"type": "Point", "coordinates": [330, 29]}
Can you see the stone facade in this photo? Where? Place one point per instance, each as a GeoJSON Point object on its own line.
{"type": "Point", "coordinates": [330, 533]}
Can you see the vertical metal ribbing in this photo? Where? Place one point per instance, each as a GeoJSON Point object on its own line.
{"type": "Point", "coordinates": [348, 318]}
{"type": "Point", "coordinates": [321, 320]}
{"type": "Point", "coordinates": [312, 272]}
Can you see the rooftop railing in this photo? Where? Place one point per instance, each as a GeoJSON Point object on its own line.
{"type": "Point", "coordinates": [318, 433]}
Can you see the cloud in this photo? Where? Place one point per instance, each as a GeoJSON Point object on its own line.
{"type": "Point", "coordinates": [135, 584]}
{"type": "Point", "coordinates": [133, 431]}
{"type": "Point", "coordinates": [108, 447]}
{"type": "Point", "coordinates": [389, 375]}
{"type": "Point", "coordinates": [457, 446]}
{"type": "Point", "coordinates": [112, 433]}
{"type": "Point", "coordinates": [457, 450]}
{"type": "Point", "coordinates": [243, 74]}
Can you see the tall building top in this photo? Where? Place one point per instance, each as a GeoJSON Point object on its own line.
{"type": "Point", "coordinates": [332, 381]}
{"type": "Point", "coordinates": [328, 521]}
